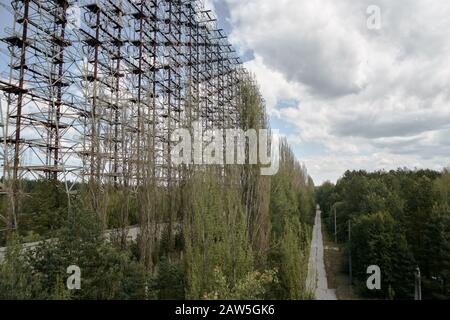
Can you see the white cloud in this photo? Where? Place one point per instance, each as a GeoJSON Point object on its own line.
{"type": "Point", "coordinates": [373, 99]}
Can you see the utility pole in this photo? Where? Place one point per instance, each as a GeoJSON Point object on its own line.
{"type": "Point", "coordinates": [350, 252]}
{"type": "Point", "coordinates": [335, 227]}
{"type": "Point", "coordinates": [418, 285]}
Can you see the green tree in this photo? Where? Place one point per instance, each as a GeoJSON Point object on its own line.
{"type": "Point", "coordinates": [437, 242]}
{"type": "Point", "coordinates": [378, 240]}
{"type": "Point", "coordinates": [291, 209]}
{"type": "Point", "coordinates": [106, 272]}
{"type": "Point", "coordinates": [215, 233]}
{"type": "Point", "coordinates": [17, 278]}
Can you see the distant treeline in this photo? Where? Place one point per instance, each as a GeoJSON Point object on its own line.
{"type": "Point", "coordinates": [399, 220]}
{"type": "Point", "coordinates": [217, 233]}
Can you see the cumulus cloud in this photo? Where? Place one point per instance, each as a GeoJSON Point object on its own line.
{"type": "Point", "coordinates": [373, 98]}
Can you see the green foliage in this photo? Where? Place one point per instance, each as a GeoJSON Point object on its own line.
{"type": "Point", "coordinates": [291, 210]}
{"type": "Point", "coordinates": [106, 272]}
{"type": "Point", "coordinates": [207, 235]}
{"type": "Point", "coordinates": [442, 187]}
{"type": "Point", "coordinates": [292, 192]}
{"type": "Point", "coordinates": [227, 239]}
{"type": "Point", "coordinates": [17, 280]}
{"type": "Point", "coordinates": [437, 242]}
{"type": "Point", "coordinates": [254, 188]}
{"type": "Point", "coordinates": [252, 286]}
{"type": "Point", "coordinates": [324, 195]}
{"type": "Point", "coordinates": [377, 239]}
{"type": "Point", "coordinates": [44, 208]}
{"type": "Point", "coordinates": [293, 260]}
{"type": "Point", "coordinates": [399, 220]}
{"type": "Point", "coordinates": [122, 208]}
{"type": "Point", "coordinates": [170, 282]}
{"type": "Point", "coordinates": [215, 234]}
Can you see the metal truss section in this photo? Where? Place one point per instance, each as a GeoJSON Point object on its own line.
{"type": "Point", "coordinates": [94, 89]}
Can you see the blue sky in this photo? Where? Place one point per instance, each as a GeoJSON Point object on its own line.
{"type": "Point", "coordinates": [5, 21]}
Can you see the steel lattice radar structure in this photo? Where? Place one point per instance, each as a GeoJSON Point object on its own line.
{"type": "Point", "coordinates": [95, 88]}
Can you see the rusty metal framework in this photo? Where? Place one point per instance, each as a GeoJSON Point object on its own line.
{"type": "Point", "coordinates": [95, 88]}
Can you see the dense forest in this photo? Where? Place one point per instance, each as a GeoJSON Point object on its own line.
{"type": "Point", "coordinates": [398, 220]}
{"type": "Point", "coordinates": [220, 232]}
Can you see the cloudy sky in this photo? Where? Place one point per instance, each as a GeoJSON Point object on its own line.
{"type": "Point", "coordinates": [346, 96]}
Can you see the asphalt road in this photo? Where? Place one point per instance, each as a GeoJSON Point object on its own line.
{"type": "Point", "coordinates": [131, 234]}
{"type": "Point", "coordinates": [317, 276]}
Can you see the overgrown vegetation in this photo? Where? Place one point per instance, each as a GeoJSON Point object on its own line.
{"type": "Point", "coordinates": [399, 220]}
{"type": "Point", "coordinates": [217, 233]}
